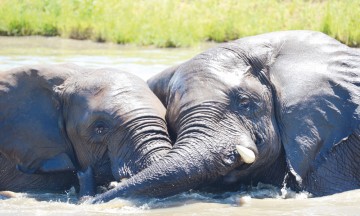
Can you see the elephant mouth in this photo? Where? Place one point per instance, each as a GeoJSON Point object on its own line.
{"type": "Point", "coordinates": [102, 171]}
{"type": "Point", "coordinates": [233, 176]}
{"type": "Point", "coordinates": [244, 166]}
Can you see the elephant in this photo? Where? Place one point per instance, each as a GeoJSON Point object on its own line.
{"type": "Point", "coordinates": [280, 108]}
{"type": "Point", "coordinates": [61, 120]}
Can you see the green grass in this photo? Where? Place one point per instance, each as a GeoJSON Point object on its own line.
{"type": "Point", "coordinates": [177, 23]}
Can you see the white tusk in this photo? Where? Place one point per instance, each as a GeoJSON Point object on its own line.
{"type": "Point", "coordinates": [247, 155]}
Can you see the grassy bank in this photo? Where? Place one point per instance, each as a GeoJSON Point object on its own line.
{"type": "Point", "coordinates": [176, 23]}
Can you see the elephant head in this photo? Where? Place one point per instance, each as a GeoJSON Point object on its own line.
{"type": "Point", "coordinates": [267, 108]}
{"type": "Point", "coordinates": [112, 117]}
{"type": "Point", "coordinates": [68, 118]}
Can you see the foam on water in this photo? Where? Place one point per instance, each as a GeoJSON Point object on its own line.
{"type": "Point", "coordinates": [263, 199]}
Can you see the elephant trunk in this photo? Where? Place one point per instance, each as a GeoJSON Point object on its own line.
{"type": "Point", "coordinates": [180, 170]}
{"type": "Point", "coordinates": [196, 159]}
{"type": "Point", "coordinates": [146, 141]}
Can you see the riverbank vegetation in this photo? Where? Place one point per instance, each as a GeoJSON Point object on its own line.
{"type": "Point", "coordinates": [177, 23]}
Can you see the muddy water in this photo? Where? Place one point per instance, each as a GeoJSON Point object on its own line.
{"type": "Point", "coordinates": [145, 62]}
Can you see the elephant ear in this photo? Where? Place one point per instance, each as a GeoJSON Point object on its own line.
{"type": "Point", "coordinates": [30, 121]}
{"type": "Point", "coordinates": [159, 83]}
{"type": "Point", "coordinates": [313, 102]}
{"type": "Point", "coordinates": [309, 94]}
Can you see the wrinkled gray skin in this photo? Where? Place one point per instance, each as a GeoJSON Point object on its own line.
{"type": "Point", "coordinates": [292, 98]}
{"type": "Point", "coordinates": [56, 121]}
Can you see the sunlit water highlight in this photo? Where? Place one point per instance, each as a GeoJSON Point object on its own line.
{"type": "Point", "coordinates": [145, 62]}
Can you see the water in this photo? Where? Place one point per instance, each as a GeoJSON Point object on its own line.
{"type": "Point", "coordinates": [145, 62]}
{"type": "Point", "coordinates": [236, 203]}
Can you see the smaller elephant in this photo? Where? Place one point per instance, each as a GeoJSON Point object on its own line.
{"type": "Point", "coordinates": [281, 108]}
{"type": "Point", "coordinates": [58, 120]}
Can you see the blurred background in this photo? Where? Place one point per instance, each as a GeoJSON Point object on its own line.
{"type": "Point", "coordinates": [177, 23]}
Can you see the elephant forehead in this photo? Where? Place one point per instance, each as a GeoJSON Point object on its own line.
{"type": "Point", "coordinates": [125, 106]}
{"type": "Point", "coordinates": [201, 80]}
{"type": "Point", "coordinates": [232, 78]}
{"type": "Point", "coordinates": [197, 89]}
{"type": "Point", "coordinates": [217, 73]}
{"type": "Point", "coordinates": [214, 86]}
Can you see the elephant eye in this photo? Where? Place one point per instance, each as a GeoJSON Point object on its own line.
{"type": "Point", "coordinates": [100, 128]}
{"type": "Point", "coordinates": [230, 158]}
{"type": "Point", "coordinates": [244, 101]}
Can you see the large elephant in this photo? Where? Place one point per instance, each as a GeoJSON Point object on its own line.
{"type": "Point", "coordinates": [103, 124]}
{"type": "Point", "coordinates": [280, 108]}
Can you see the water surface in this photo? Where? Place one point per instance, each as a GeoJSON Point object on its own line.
{"type": "Point", "coordinates": [145, 62]}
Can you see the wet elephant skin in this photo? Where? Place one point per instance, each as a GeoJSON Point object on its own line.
{"type": "Point", "coordinates": [280, 108]}
{"type": "Point", "coordinates": [62, 120]}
